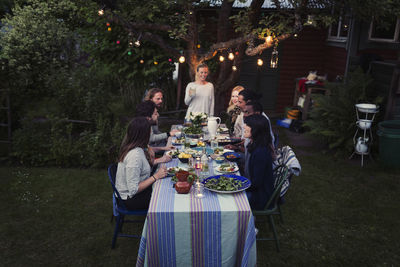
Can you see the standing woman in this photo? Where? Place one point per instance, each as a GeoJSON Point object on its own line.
{"type": "Point", "coordinates": [133, 179]}
{"type": "Point", "coordinates": [233, 108]}
{"type": "Point", "coordinates": [258, 160]}
{"type": "Point", "coordinates": [199, 95]}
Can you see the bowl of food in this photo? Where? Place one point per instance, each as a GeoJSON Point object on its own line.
{"type": "Point", "coordinates": [173, 153]}
{"type": "Point", "coordinates": [184, 157]}
{"type": "Point", "coordinates": [219, 160]}
{"type": "Point", "coordinates": [232, 156]}
{"type": "Point", "coordinates": [218, 150]}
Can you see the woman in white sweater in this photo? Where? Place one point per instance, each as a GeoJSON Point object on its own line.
{"type": "Point", "coordinates": [199, 95]}
{"type": "Point", "coordinates": [133, 179]}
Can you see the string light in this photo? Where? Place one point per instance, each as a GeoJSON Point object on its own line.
{"type": "Point", "coordinates": [221, 58]}
{"type": "Point", "coordinates": [295, 35]}
{"type": "Point", "coordinates": [130, 43]}
{"type": "Point", "coordinates": [101, 12]}
{"type": "Point", "coordinates": [181, 59]}
{"type": "Point", "coordinates": [118, 42]}
{"type": "Point", "coordinates": [155, 62]}
{"type": "Point", "coordinates": [170, 59]}
{"type": "Point", "coordinates": [108, 24]}
{"type": "Point", "coordinates": [310, 20]}
{"type": "Point", "coordinates": [109, 29]}
{"type": "Point", "coordinates": [268, 39]}
{"type": "Point", "coordinates": [198, 46]}
{"type": "Point", "coordinates": [231, 56]}
{"type": "Point", "coordinates": [141, 61]}
{"type": "Point", "coordinates": [260, 62]}
{"type": "Point", "coordinates": [234, 68]}
{"type": "Point", "coordinates": [274, 58]}
{"type": "Point", "coordinates": [129, 53]}
{"type": "Point", "coordinates": [137, 43]}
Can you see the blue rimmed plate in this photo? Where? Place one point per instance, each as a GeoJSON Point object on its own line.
{"type": "Point", "coordinates": [208, 181]}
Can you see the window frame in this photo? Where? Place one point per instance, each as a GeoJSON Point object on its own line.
{"type": "Point", "coordinates": [395, 38]}
{"type": "Point", "coordinates": [339, 38]}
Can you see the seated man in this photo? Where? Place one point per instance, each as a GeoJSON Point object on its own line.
{"type": "Point", "coordinates": [157, 138]}
{"type": "Point", "coordinates": [149, 110]}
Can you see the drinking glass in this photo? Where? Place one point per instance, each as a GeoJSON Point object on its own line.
{"type": "Point", "coordinates": [214, 144]}
{"type": "Point", "coordinates": [198, 189]}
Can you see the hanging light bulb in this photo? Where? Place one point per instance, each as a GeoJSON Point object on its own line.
{"type": "Point", "coordinates": [101, 12]}
{"type": "Point", "coordinates": [274, 58]}
{"type": "Point", "coordinates": [141, 61]}
{"type": "Point", "coordinates": [310, 20]}
{"type": "Point", "coordinates": [221, 58]}
{"type": "Point", "coordinates": [137, 43]}
{"type": "Point", "coordinates": [260, 62]}
{"type": "Point", "coordinates": [295, 35]}
{"type": "Point", "coordinates": [198, 45]}
{"type": "Point", "coordinates": [181, 59]}
{"type": "Point", "coordinates": [130, 43]}
{"type": "Point", "coordinates": [234, 68]}
{"type": "Point", "coordinates": [231, 56]}
{"type": "Point", "coordinates": [155, 62]}
{"type": "Point", "coordinates": [109, 29]}
{"type": "Point", "coordinates": [129, 53]}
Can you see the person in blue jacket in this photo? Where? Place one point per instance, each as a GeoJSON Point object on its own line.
{"type": "Point", "coordinates": [259, 156]}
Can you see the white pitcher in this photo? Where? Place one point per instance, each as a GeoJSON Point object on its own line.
{"type": "Point", "coordinates": [212, 125]}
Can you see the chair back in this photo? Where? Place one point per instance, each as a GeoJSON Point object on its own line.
{"type": "Point", "coordinates": [112, 172]}
{"type": "Point", "coordinates": [286, 157]}
{"type": "Point", "coordinates": [282, 174]}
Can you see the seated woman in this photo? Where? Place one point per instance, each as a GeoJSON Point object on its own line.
{"type": "Point", "coordinates": [233, 108]}
{"type": "Point", "coordinates": [133, 179]}
{"type": "Point", "coordinates": [258, 160]}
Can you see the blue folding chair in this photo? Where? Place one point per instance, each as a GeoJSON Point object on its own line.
{"type": "Point", "coordinates": [120, 210]}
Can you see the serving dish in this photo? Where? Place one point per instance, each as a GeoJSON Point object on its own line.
{"type": "Point", "coordinates": [211, 183]}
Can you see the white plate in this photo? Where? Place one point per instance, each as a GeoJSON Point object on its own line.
{"type": "Point", "coordinates": [236, 168]}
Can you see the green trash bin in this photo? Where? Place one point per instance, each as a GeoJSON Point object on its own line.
{"type": "Point", "coordinates": [389, 142]}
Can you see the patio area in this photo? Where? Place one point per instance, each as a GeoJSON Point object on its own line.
{"type": "Point", "coordinates": [336, 213]}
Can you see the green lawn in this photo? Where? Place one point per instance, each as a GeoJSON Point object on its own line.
{"type": "Point", "coordinates": [336, 214]}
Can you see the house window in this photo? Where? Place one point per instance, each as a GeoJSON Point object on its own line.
{"type": "Point", "coordinates": [390, 33]}
{"type": "Point", "coordinates": [339, 31]}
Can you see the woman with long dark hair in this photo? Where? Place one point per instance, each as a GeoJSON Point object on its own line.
{"type": "Point", "coordinates": [133, 179]}
{"type": "Point", "coordinates": [258, 160]}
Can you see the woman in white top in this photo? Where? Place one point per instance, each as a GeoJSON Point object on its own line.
{"type": "Point", "coordinates": [133, 180]}
{"type": "Point", "coordinates": [199, 95]}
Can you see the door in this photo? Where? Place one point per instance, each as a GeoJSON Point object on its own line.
{"type": "Point", "coordinates": [261, 79]}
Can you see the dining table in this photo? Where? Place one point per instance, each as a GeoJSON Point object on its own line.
{"type": "Point", "coordinates": [184, 230]}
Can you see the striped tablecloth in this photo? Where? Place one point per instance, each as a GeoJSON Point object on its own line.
{"type": "Point", "coordinates": [181, 230]}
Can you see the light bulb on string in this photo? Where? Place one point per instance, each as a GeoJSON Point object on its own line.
{"type": "Point", "coordinates": [231, 56]}
{"type": "Point", "coordinates": [274, 58]}
{"type": "Point", "coordinates": [181, 59]}
{"type": "Point", "coordinates": [129, 53]}
{"type": "Point", "coordinates": [101, 12]}
{"type": "Point", "coordinates": [295, 35]}
{"type": "Point", "coordinates": [141, 61]}
{"type": "Point", "coordinates": [109, 29]}
{"type": "Point", "coordinates": [155, 62]}
{"type": "Point", "coordinates": [130, 43]}
{"type": "Point", "coordinates": [234, 68]}
{"type": "Point", "coordinates": [137, 43]}
{"type": "Point", "coordinates": [221, 58]}
{"type": "Point", "coordinates": [260, 62]}
{"type": "Point", "coordinates": [118, 42]}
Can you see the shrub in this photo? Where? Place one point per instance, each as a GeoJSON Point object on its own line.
{"type": "Point", "coordinates": [59, 142]}
{"type": "Point", "coordinates": [333, 116]}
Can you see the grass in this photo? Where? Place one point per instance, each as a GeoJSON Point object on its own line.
{"type": "Point", "coordinates": [336, 214]}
